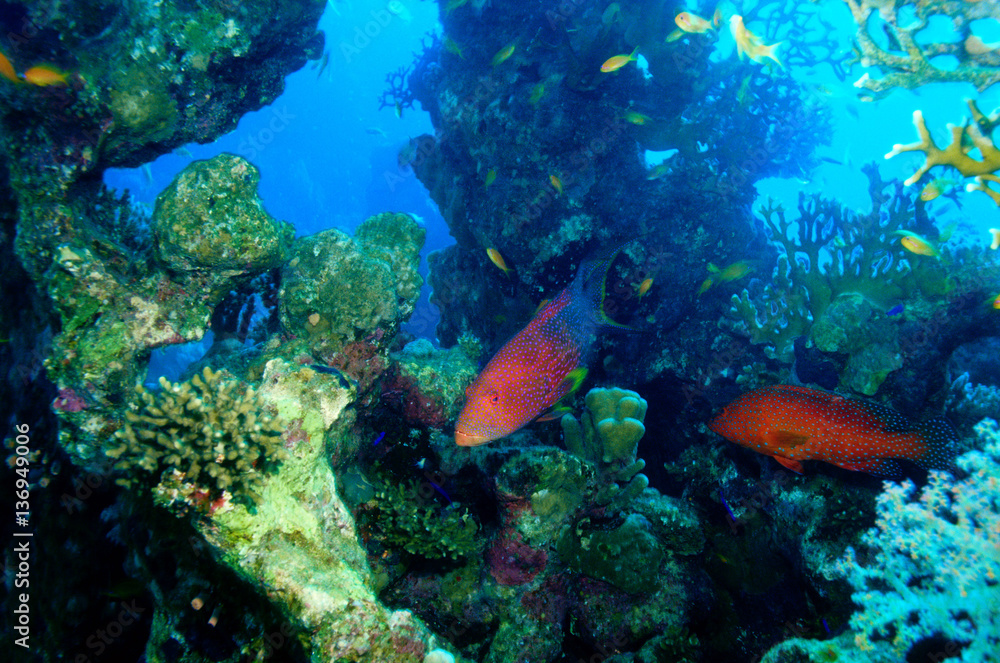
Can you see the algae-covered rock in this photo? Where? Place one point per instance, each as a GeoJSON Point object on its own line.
{"type": "Point", "coordinates": [300, 546]}
{"type": "Point", "coordinates": [210, 220]}
{"type": "Point", "coordinates": [554, 482]}
{"type": "Point", "coordinates": [853, 326]}
{"type": "Point", "coordinates": [627, 557]}
{"type": "Point", "coordinates": [336, 290]}
{"type": "Point", "coordinates": [427, 384]}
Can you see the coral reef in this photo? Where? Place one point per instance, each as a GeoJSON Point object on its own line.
{"type": "Point", "coordinates": [423, 529]}
{"type": "Point", "coordinates": [904, 20]}
{"type": "Point", "coordinates": [549, 111]}
{"type": "Point", "coordinates": [427, 385]}
{"type": "Point", "coordinates": [300, 546]}
{"type": "Point", "coordinates": [842, 270]}
{"type": "Point", "coordinates": [210, 226]}
{"type": "Point", "coordinates": [925, 581]}
{"type": "Point", "coordinates": [203, 442]}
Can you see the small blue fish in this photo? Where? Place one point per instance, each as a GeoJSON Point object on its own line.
{"type": "Point", "coordinates": [895, 310]}
{"type": "Point", "coordinates": [378, 439]}
{"type": "Point", "coordinates": [722, 497]}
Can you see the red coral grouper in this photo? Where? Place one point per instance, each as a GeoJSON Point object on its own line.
{"type": "Point", "coordinates": [542, 363]}
{"type": "Point", "coordinates": [797, 423]}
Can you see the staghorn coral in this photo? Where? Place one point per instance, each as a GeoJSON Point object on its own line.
{"type": "Point", "coordinates": [976, 65]}
{"type": "Point", "coordinates": [976, 133]}
{"type": "Point", "coordinates": [202, 442]}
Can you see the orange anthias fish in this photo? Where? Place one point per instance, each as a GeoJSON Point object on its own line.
{"type": "Point", "coordinates": [7, 69]}
{"type": "Point", "coordinates": [692, 23]}
{"type": "Point", "coordinates": [793, 424]}
{"type": "Point", "coordinates": [45, 76]}
{"type": "Point", "coordinates": [616, 62]}
{"type": "Point", "coordinates": [749, 44]}
{"type": "Point", "coordinates": [542, 363]}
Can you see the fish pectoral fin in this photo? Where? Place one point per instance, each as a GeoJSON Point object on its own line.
{"type": "Point", "coordinates": [554, 413]}
{"type": "Point", "coordinates": [574, 379]}
{"type": "Point", "coordinates": [793, 465]}
{"type": "Point", "coordinates": [784, 438]}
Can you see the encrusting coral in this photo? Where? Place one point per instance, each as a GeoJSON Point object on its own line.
{"type": "Point", "coordinates": [203, 442]}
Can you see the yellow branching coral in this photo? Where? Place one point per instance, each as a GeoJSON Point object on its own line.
{"type": "Point", "coordinates": [203, 441]}
{"type": "Point", "coordinates": [971, 135]}
{"type": "Point", "coordinates": [907, 62]}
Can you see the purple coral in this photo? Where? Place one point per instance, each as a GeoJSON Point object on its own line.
{"type": "Point", "coordinates": [69, 401]}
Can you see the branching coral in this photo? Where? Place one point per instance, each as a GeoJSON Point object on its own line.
{"type": "Point", "coordinates": [970, 135]}
{"type": "Point", "coordinates": [831, 251]}
{"type": "Point", "coordinates": [203, 442]}
{"type": "Point", "coordinates": [977, 64]}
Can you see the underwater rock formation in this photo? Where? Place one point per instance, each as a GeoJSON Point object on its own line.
{"type": "Point", "coordinates": [336, 290]}
{"type": "Point", "coordinates": [211, 228]}
{"type": "Point", "coordinates": [299, 546]}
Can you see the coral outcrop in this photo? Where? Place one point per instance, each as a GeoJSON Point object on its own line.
{"type": "Point", "coordinates": [210, 226]}
{"type": "Point", "coordinates": [299, 545]}
{"type": "Point", "coordinates": [337, 291]}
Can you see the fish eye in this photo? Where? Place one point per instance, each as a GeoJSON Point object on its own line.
{"type": "Point", "coordinates": [494, 396]}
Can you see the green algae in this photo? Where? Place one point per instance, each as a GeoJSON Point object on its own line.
{"type": "Point", "coordinates": [627, 557]}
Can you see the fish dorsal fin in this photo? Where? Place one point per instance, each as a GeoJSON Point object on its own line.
{"type": "Point", "coordinates": [784, 438]}
{"type": "Point", "coordinates": [793, 465]}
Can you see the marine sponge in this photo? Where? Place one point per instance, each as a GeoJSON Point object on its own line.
{"type": "Point", "coordinates": [204, 442]}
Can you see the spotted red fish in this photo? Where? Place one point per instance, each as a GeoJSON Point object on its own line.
{"type": "Point", "coordinates": [542, 363]}
{"type": "Point", "coordinates": [793, 424]}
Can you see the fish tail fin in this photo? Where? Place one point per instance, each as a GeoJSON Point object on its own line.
{"type": "Point", "coordinates": [594, 277]}
{"type": "Point", "coordinates": [940, 444]}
